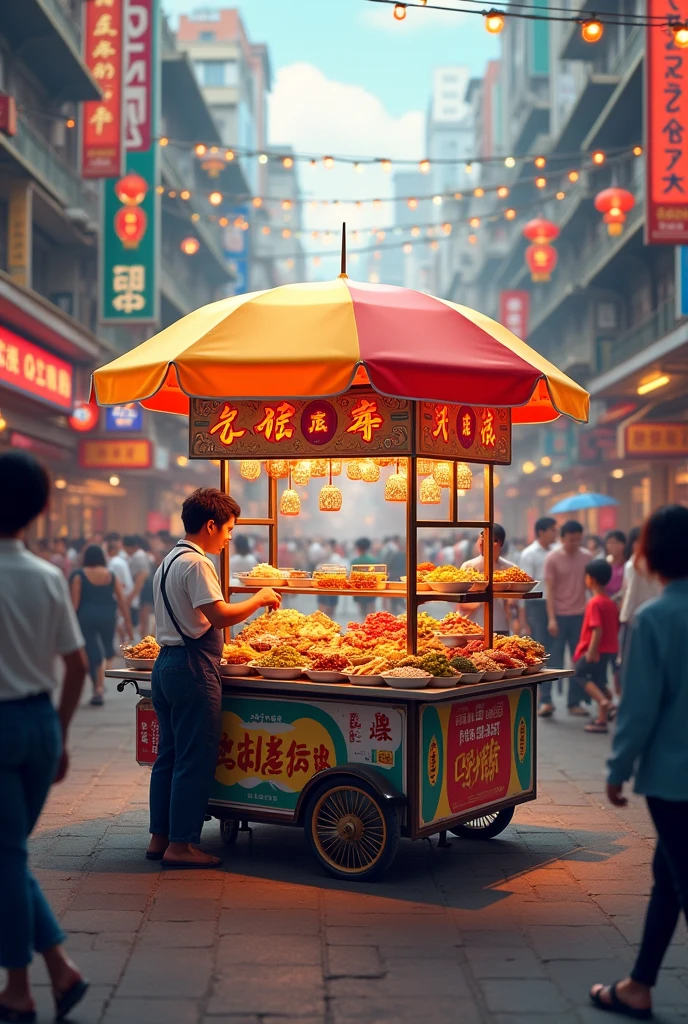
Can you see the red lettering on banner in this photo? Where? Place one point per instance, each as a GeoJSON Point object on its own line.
{"type": "Point", "coordinates": [31, 369]}
{"type": "Point", "coordinates": [478, 753]}
{"type": "Point", "coordinates": [102, 150]}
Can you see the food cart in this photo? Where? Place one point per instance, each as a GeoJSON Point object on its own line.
{"type": "Point", "coordinates": [348, 371]}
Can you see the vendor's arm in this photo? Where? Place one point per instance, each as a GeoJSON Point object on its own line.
{"type": "Point", "coordinates": [221, 614]}
{"type": "Point", "coordinates": [642, 694]}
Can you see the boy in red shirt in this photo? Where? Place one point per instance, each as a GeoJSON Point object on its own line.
{"type": "Point", "coordinates": [599, 642]}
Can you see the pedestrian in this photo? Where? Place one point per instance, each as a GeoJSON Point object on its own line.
{"type": "Point", "coordinates": [141, 569]}
{"type": "Point", "coordinates": [651, 743]}
{"type": "Point", "coordinates": [118, 564]}
{"type": "Point", "coordinates": [594, 545]}
{"type": "Point", "coordinates": [37, 625]}
{"type": "Point", "coordinates": [59, 554]}
{"type": "Point", "coordinates": [190, 614]}
{"type": "Point", "coordinates": [476, 611]}
{"type": "Point", "coordinates": [615, 546]}
{"type": "Point", "coordinates": [637, 588]}
{"type": "Point", "coordinates": [598, 646]}
{"type": "Point", "coordinates": [564, 573]}
{"type": "Point", "coordinates": [362, 556]}
{"type": "Point", "coordinates": [533, 614]}
{"type": "Point", "coordinates": [97, 594]}
{"type": "Point", "coordinates": [243, 560]}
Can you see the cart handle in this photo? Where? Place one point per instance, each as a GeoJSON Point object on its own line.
{"type": "Point", "coordinates": [128, 682]}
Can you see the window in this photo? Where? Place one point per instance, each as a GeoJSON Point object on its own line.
{"type": "Point", "coordinates": [206, 37]}
{"type": "Point", "coordinates": [211, 72]}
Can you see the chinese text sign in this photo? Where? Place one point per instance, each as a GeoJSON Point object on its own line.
{"type": "Point", "coordinates": [102, 149]}
{"type": "Point", "coordinates": [29, 368]}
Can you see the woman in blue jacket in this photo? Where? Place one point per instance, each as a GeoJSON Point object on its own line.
{"type": "Point", "coordinates": [651, 743]}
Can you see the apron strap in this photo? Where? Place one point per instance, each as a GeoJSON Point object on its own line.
{"type": "Point", "coordinates": [163, 588]}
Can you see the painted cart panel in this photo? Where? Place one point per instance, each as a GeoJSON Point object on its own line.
{"type": "Point", "coordinates": [475, 754]}
{"type": "Point", "coordinates": [270, 748]}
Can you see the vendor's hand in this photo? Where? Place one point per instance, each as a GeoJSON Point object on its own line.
{"type": "Point", "coordinates": [553, 627]}
{"type": "Point", "coordinates": [615, 796]}
{"type": "Point", "coordinates": [269, 598]}
{"type": "Point", "coordinates": [592, 658]}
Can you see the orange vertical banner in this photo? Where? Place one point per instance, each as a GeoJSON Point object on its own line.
{"type": "Point", "coordinates": [666, 144]}
{"type": "Point", "coordinates": [102, 123]}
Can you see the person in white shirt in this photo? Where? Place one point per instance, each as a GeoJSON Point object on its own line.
{"type": "Point", "coordinates": [118, 564]}
{"type": "Point", "coordinates": [37, 625]}
{"type": "Point", "coordinates": [190, 614]}
{"type": "Point", "coordinates": [476, 611]}
{"type": "Point", "coordinates": [533, 614]}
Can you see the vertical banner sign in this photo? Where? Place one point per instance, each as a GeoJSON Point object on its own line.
{"type": "Point", "coordinates": [237, 243]}
{"type": "Point", "coordinates": [130, 231]}
{"type": "Point", "coordinates": [514, 307]}
{"type": "Point", "coordinates": [666, 148]}
{"type": "Point", "coordinates": [19, 226]}
{"type": "Point", "coordinates": [102, 149]}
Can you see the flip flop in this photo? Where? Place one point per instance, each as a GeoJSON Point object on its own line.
{"type": "Point", "coordinates": [545, 711]}
{"type": "Point", "coordinates": [599, 727]}
{"type": "Point", "coordinates": [17, 1016]}
{"type": "Point", "coordinates": [154, 855]}
{"type": "Point", "coordinates": [616, 1006]}
{"type": "Point", "coordinates": [70, 998]}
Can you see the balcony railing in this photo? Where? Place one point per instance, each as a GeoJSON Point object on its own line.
{"type": "Point", "coordinates": [55, 175]}
{"type": "Point", "coordinates": [612, 351]}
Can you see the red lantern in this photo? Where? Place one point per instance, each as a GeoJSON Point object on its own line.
{"type": "Point", "coordinates": [541, 259]}
{"type": "Point", "coordinates": [84, 417]}
{"type": "Point", "coordinates": [541, 231]}
{"type": "Point", "coordinates": [131, 189]}
{"type": "Point", "coordinates": [130, 226]}
{"type": "Point", "coordinates": [614, 203]}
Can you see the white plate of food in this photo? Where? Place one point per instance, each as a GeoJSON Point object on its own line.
{"type": "Point", "coordinates": [493, 677]}
{"type": "Point", "coordinates": [262, 581]}
{"type": "Point", "coordinates": [478, 587]}
{"type": "Point", "coordinates": [236, 670]}
{"type": "Point", "coordinates": [407, 682]}
{"type": "Point", "coordinates": [523, 588]}
{"type": "Point", "coordinates": [471, 677]}
{"type": "Point", "coordinates": [326, 677]}
{"type": "Point", "coordinates": [455, 587]}
{"type": "Point", "coordinates": [455, 639]}
{"type": "Point", "coordinates": [270, 672]}
{"type": "Point", "coordinates": [511, 673]}
{"type": "Point", "coordinates": [140, 663]}
{"type": "Point", "coordinates": [531, 670]}
{"type": "Point", "coordinates": [421, 585]}
{"type": "Point", "coordinates": [364, 680]}
{"type": "Point", "coordinates": [501, 585]}
{"type": "Point", "coordinates": [444, 682]}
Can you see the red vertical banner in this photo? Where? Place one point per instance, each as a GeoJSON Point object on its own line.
{"type": "Point", "coordinates": [138, 75]}
{"type": "Point", "coordinates": [666, 118]}
{"type": "Point", "coordinates": [102, 128]}
{"type": "Point", "coordinates": [514, 307]}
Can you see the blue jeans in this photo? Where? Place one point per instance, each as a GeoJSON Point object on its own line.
{"type": "Point", "coordinates": [30, 748]}
{"type": "Point", "coordinates": [568, 635]}
{"type": "Point", "coordinates": [189, 711]}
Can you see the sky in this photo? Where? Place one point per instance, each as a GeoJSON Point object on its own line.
{"type": "Point", "coordinates": [348, 79]}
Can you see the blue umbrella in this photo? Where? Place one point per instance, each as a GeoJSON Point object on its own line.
{"type": "Point", "coordinates": [578, 502]}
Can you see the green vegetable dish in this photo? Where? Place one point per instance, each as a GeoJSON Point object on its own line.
{"type": "Point", "coordinates": [462, 664]}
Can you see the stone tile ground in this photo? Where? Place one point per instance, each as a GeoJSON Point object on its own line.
{"type": "Point", "coordinates": [509, 931]}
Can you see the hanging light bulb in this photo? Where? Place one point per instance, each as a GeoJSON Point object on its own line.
{"type": "Point", "coordinates": [494, 22]}
{"type": "Point", "coordinates": [370, 473]}
{"type": "Point", "coordinates": [430, 493]}
{"type": "Point", "coordinates": [424, 467]}
{"type": "Point", "coordinates": [396, 487]}
{"type": "Point", "coordinates": [290, 503]}
{"type": "Point", "coordinates": [540, 182]}
{"type": "Point", "coordinates": [328, 162]}
{"type": "Point", "coordinates": [680, 35]}
{"type": "Point", "coordinates": [353, 469]}
{"type": "Point", "coordinates": [574, 176]}
{"type": "Point", "coordinates": [598, 157]}
{"type": "Point", "coordinates": [319, 467]}
{"type": "Point", "coordinates": [277, 469]}
{"type": "Point", "coordinates": [442, 474]}
{"type": "Point", "coordinates": [386, 166]}
{"type": "Point", "coordinates": [510, 162]}
{"type": "Point", "coordinates": [301, 473]}
{"type": "Point", "coordinates": [464, 477]}
{"type": "Point", "coordinates": [502, 192]}
{"type": "Point", "coordinates": [592, 30]}
{"type": "Point", "coordinates": [424, 166]}
{"type": "Point", "coordinates": [249, 469]}
{"type": "Point", "coordinates": [399, 12]}
{"type": "Point", "coordinates": [510, 214]}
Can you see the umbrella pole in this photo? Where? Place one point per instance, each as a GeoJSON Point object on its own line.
{"type": "Point", "coordinates": [343, 272]}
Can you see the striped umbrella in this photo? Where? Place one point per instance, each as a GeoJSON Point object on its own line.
{"type": "Point", "coordinates": [317, 339]}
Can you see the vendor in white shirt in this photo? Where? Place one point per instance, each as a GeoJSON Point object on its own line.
{"type": "Point", "coordinates": [476, 611]}
{"type": "Point", "coordinates": [190, 614]}
{"type": "Point", "coordinates": [533, 614]}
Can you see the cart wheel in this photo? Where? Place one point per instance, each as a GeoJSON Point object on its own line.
{"type": "Point", "coordinates": [229, 829]}
{"type": "Point", "coordinates": [351, 830]}
{"type": "Point", "coordinates": [487, 826]}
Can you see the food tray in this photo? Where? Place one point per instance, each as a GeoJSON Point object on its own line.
{"type": "Point", "coordinates": [236, 670]}
{"type": "Point", "coordinates": [326, 677]}
{"type": "Point", "coordinates": [471, 677]}
{"type": "Point", "coordinates": [455, 639]}
{"type": "Point", "coordinates": [444, 682]}
{"type": "Point", "coordinates": [478, 587]}
{"type": "Point", "coordinates": [277, 673]}
{"type": "Point", "coordinates": [407, 682]}
{"type": "Point", "coordinates": [364, 680]}
{"type": "Point", "coordinates": [300, 582]}
{"type": "Point", "coordinates": [420, 585]}
{"type": "Point", "coordinates": [450, 588]}
{"type": "Point", "coordinates": [523, 588]}
{"type": "Point", "coordinates": [492, 677]}
{"type": "Point", "coordinates": [499, 586]}
{"type": "Point", "coordinates": [141, 663]}
{"type": "Point", "coordinates": [396, 585]}
{"type": "Point", "coordinates": [532, 670]}
{"type": "Point", "coordinates": [511, 673]}
{"type": "Point", "coordinates": [262, 581]}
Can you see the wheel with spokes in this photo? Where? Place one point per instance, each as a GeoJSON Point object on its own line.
{"type": "Point", "coordinates": [486, 826]}
{"type": "Point", "coordinates": [352, 831]}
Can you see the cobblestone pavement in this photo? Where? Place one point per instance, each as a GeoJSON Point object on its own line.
{"type": "Point", "coordinates": [506, 931]}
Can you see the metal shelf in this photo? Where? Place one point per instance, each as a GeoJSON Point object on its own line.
{"type": "Point", "coordinates": [421, 596]}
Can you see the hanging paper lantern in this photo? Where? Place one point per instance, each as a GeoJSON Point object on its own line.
{"type": "Point", "coordinates": [319, 467]}
{"type": "Point", "coordinates": [353, 469]}
{"type": "Point", "coordinates": [396, 487]}
{"type": "Point", "coordinates": [290, 503]}
{"type": "Point", "coordinates": [301, 473]}
{"type": "Point", "coordinates": [541, 230]}
{"type": "Point", "coordinates": [614, 203]}
{"type": "Point", "coordinates": [330, 499]}
{"type": "Point", "coordinates": [464, 477]}
{"type": "Point", "coordinates": [278, 469]}
{"type": "Point", "coordinates": [442, 474]}
{"type": "Point", "coordinates": [130, 225]}
{"type": "Point", "coordinates": [424, 467]}
{"type": "Point", "coordinates": [131, 189]}
{"type": "Point", "coordinates": [370, 473]}
{"type": "Point", "coordinates": [249, 469]}
{"type": "Point", "coordinates": [402, 467]}
{"type": "Point", "coordinates": [384, 462]}
{"type": "Point", "coordinates": [336, 467]}
{"type": "Point", "coordinates": [430, 493]}
{"type": "Point", "coordinates": [541, 259]}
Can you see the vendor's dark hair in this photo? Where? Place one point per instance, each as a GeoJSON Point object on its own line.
{"type": "Point", "coordinates": [544, 523]}
{"type": "Point", "coordinates": [205, 504]}
{"type": "Point", "coordinates": [25, 489]}
{"type": "Point", "coordinates": [242, 544]}
{"type": "Point", "coordinates": [93, 555]}
{"type": "Point", "coordinates": [599, 570]}
{"type": "Point", "coordinates": [499, 534]}
{"type": "Point", "coordinates": [362, 544]}
{"type": "Point", "coordinates": [664, 542]}
{"type": "Point", "coordinates": [571, 526]}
